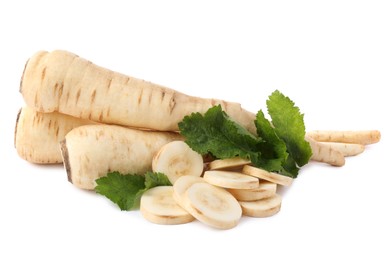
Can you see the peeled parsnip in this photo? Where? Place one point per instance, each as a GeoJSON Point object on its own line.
{"type": "Point", "coordinates": [62, 81]}
{"type": "Point", "coordinates": [37, 135]}
{"type": "Point", "coordinates": [90, 152]}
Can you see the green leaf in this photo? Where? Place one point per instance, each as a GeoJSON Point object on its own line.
{"type": "Point", "coordinates": [217, 134]}
{"type": "Point", "coordinates": [121, 189]}
{"type": "Point", "coordinates": [290, 168]}
{"type": "Point", "coordinates": [273, 149]}
{"type": "Point", "coordinates": [289, 126]}
{"type": "Point", "coordinates": [153, 179]}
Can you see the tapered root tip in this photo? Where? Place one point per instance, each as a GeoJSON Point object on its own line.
{"type": "Point", "coordinates": [65, 158]}
{"type": "Point", "coordinates": [377, 136]}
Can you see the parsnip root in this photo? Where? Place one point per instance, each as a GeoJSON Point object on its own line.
{"type": "Point", "coordinates": [353, 137]}
{"type": "Point", "coordinates": [37, 135]}
{"type": "Point", "coordinates": [346, 149]}
{"type": "Point", "coordinates": [90, 152]}
{"type": "Point", "coordinates": [325, 153]}
{"type": "Point", "coordinates": [62, 81]}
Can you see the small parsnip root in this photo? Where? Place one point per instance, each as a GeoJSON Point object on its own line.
{"type": "Point", "coordinates": [37, 135]}
{"type": "Point", "coordinates": [90, 152]}
{"type": "Point", "coordinates": [353, 137]}
{"type": "Point", "coordinates": [346, 149]}
{"type": "Point", "coordinates": [325, 153]}
{"type": "Point", "coordinates": [62, 81]}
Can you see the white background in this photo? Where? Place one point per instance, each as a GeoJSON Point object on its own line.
{"type": "Point", "coordinates": [331, 57]}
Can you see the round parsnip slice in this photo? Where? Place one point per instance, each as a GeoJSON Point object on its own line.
{"type": "Point", "coordinates": [232, 180]}
{"type": "Point", "coordinates": [228, 163]}
{"type": "Point", "coordinates": [158, 206]}
{"type": "Point", "coordinates": [266, 189]}
{"type": "Point", "coordinates": [213, 206]}
{"type": "Point", "coordinates": [177, 159]}
{"type": "Point", "coordinates": [181, 185]}
{"type": "Point", "coordinates": [262, 208]}
{"type": "Point", "coordinates": [269, 176]}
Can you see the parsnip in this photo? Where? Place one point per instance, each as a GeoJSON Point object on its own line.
{"type": "Point", "coordinates": [61, 81]}
{"type": "Point", "coordinates": [90, 152]}
{"type": "Point", "coordinates": [37, 135]}
{"type": "Point", "coordinates": [353, 137]}
{"type": "Point", "coordinates": [346, 149]}
{"type": "Point", "coordinates": [325, 153]}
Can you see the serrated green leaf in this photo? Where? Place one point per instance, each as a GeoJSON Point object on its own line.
{"type": "Point", "coordinates": [121, 189]}
{"type": "Point", "coordinates": [217, 134]}
{"type": "Point", "coordinates": [289, 126]}
{"type": "Point", "coordinates": [273, 149]}
{"type": "Point", "coordinates": [153, 179]}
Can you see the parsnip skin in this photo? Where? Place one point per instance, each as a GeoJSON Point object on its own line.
{"type": "Point", "coordinates": [346, 149]}
{"type": "Point", "coordinates": [37, 135]}
{"type": "Point", "coordinates": [354, 137]}
{"type": "Point", "coordinates": [90, 152]}
{"type": "Point", "coordinates": [325, 153]}
{"type": "Point", "coordinates": [61, 81]}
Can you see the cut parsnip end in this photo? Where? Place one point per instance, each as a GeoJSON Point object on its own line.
{"type": "Point", "coordinates": [228, 163]}
{"type": "Point", "coordinates": [158, 206]}
{"type": "Point", "coordinates": [266, 189]}
{"type": "Point", "coordinates": [182, 184]}
{"type": "Point", "coordinates": [213, 206]}
{"type": "Point", "coordinates": [268, 176]}
{"type": "Point", "coordinates": [177, 159]}
{"type": "Point", "coordinates": [262, 208]}
{"type": "Point", "coordinates": [345, 149]}
{"type": "Point", "coordinates": [233, 180]}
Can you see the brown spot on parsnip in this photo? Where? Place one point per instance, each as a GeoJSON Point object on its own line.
{"type": "Point", "coordinates": [57, 131]}
{"type": "Point", "coordinates": [93, 96]}
{"type": "Point", "coordinates": [67, 98]}
{"type": "Point", "coordinates": [78, 95]}
{"type": "Point", "coordinates": [101, 116]}
{"type": "Point", "coordinates": [43, 74]}
{"type": "Point", "coordinates": [172, 104]}
{"type": "Point", "coordinates": [65, 156]}
{"type": "Point", "coordinates": [140, 96]}
{"type": "Point", "coordinates": [49, 124]}
{"type": "Point", "coordinates": [60, 90]}
{"type": "Point", "coordinates": [109, 84]}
